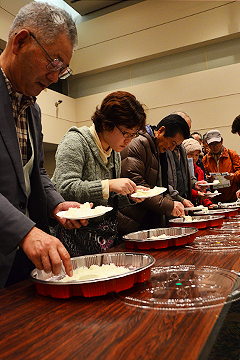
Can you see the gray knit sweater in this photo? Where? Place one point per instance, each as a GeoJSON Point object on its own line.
{"type": "Point", "coordinates": [80, 168]}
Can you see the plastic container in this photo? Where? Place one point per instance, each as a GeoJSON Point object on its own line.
{"type": "Point", "coordinates": [175, 236]}
{"type": "Point", "coordinates": [138, 264]}
{"type": "Point", "coordinates": [184, 288]}
{"type": "Point", "coordinates": [228, 212]}
{"type": "Point", "coordinates": [216, 243]}
{"type": "Point", "coordinates": [200, 222]}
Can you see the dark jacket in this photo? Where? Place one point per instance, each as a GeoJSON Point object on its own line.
{"type": "Point", "coordinates": [172, 174]}
{"type": "Point", "coordinates": [14, 224]}
{"type": "Point", "coordinates": [141, 163]}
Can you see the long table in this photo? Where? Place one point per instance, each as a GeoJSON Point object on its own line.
{"type": "Point", "coordinates": [104, 328]}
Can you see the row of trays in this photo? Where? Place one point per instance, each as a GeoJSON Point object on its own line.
{"type": "Point", "coordinates": [179, 233]}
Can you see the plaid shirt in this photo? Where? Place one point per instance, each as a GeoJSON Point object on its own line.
{"type": "Point", "coordinates": [19, 105]}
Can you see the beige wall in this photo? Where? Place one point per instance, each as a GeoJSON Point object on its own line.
{"type": "Point", "coordinates": [152, 28]}
{"type": "Point", "coordinates": [211, 98]}
{"type": "Point", "coordinates": [155, 28]}
{"type": "Point", "coordinates": [56, 120]}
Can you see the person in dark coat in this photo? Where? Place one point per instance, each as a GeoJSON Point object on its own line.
{"type": "Point", "coordinates": [35, 56]}
{"type": "Point", "coordinates": [144, 161]}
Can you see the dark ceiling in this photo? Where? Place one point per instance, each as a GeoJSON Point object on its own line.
{"type": "Point", "coordinates": [88, 7]}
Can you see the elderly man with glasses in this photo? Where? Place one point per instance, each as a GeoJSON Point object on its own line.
{"type": "Point", "coordinates": [39, 48]}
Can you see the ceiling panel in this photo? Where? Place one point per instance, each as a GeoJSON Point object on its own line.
{"type": "Point", "coordinates": [85, 7]}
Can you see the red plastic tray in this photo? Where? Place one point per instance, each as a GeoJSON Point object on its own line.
{"type": "Point", "coordinates": [175, 237]}
{"type": "Point", "coordinates": [201, 223]}
{"type": "Point", "coordinates": [216, 222]}
{"type": "Point", "coordinates": [225, 212]}
{"type": "Point", "coordinates": [139, 265]}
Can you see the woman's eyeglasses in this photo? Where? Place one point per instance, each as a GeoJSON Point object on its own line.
{"type": "Point", "coordinates": [127, 135]}
{"type": "Point", "coordinates": [55, 64]}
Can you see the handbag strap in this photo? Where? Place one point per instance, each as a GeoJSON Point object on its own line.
{"type": "Point", "coordinates": [115, 198]}
{"type": "Point", "coordinates": [114, 168]}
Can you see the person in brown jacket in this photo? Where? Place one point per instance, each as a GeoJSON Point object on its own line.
{"type": "Point", "coordinates": [144, 161]}
{"type": "Point", "coordinates": [221, 159]}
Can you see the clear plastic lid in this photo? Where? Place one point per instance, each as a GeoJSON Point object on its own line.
{"type": "Point", "coordinates": [229, 227]}
{"type": "Point", "coordinates": [184, 287]}
{"type": "Point", "coordinates": [228, 242]}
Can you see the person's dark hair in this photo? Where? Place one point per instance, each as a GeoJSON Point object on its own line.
{"type": "Point", "coordinates": [119, 108]}
{"type": "Point", "coordinates": [197, 133]}
{"type": "Point", "coordinates": [236, 125]}
{"type": "Point", "coordinates": [174, 124]}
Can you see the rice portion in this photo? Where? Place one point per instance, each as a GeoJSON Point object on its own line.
{"type": "Point", "coordinates": [95, 272]}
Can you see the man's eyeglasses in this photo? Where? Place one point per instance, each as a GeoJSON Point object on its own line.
{"type": "Point", "coordinates": [127, 135]}
{"type": "Point", "coordinates": [55, 64]}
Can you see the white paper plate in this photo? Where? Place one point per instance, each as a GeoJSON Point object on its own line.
{"type": "Point", "coordinates": [212, 194]}
{"type": "Point", "coordinates": [211, 183]}
{"type": "Point", "coordinates": [90, 214]}
{"type": "Point", "coordinates": [150, 193]}
{"type": "Point", "coordinates": [195, 208]}
{"type": "Point", "coordinates": [229, 205]}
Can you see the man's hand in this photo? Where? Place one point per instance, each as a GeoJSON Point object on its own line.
{"type": "Point", "coordinates": [213, 206]}
{"type": "Point", "coordinates": [210, 178]}
{"type": "Point", "coordinates": [46, 252]}
{"type": "Point", "coordinates": [199, 187]}
{"type": "Point", "coordinates": [69, 224]}
{"type": "Point", "coordinates": [187, 203]}
{"type": "Point", "coordinates": [200, 194]}
{"type": "Point", "coordinates": [230, 176]}
{"type": "Point", "coordinates": [178, 209]}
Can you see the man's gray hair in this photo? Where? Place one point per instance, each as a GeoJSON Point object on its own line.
{"type": "Point", "coordinates": [183, 114]}
{"type": "Point", "coordinates": [46, 22]}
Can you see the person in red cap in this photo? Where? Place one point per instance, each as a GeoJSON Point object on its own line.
{"type": "Point", "coordinates": [221, 159]}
